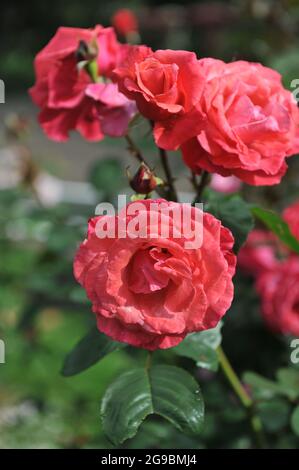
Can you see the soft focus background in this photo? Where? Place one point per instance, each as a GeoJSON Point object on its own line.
{"type": "Point", "coordinates": [49, 190]}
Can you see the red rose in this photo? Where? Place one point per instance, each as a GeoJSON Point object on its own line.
{"type": "Point", "coordinates": [251, 123]}
{"type": "Point", "coordinates": [125, 21]}
{"type": "Point", "coordinates": [61, 88]}
{"type": "Point", "coordinates": [166, 86]}
{"type": "Point", "coordinates": [279, 291]}
{"type": "Point", "coordinates": [151, 291]}
{"type": "Point", "coordinates": [291, 216]}
{"type": "Point", "coordinates": [259, 252]}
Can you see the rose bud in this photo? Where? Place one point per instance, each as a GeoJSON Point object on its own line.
{"type": "Point", "coordinates": [144, 180]}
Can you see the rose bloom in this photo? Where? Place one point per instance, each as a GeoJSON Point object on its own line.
{"type": "Point", "coordinates": [226, 185]}
{"type": "Point", "coordinates": [291, 216]}
{"type": "Point", "coordinates": [279, 291]}
{"type": "Point", "coordinates": [125, 21]}
{"type": "Point", "coordinates": [166, 86]}
{"type": "Point", "coordinates": [250, 126]}
{"type": "Point", "coordinates": [151, 291]}
{"type": "Point", "coordinates": [259, 252]}
{"type": "Point", "coordinates": [64, 90]}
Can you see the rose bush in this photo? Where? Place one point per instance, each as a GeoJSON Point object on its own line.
{"type": "Point", "coordinates": [64, 89]}
{"type": "Point", "coordinates": [250, 125]}
{"type": "Point", "coordinates": [150, 292]}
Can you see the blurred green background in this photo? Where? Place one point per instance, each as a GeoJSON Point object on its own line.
{"type": "Point", "coordinates": [43, 213]}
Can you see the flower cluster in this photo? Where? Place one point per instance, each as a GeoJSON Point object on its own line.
{"type": "Point", "coordinates": [276, 273]}
{"type": "Point", "coordinates": [235, 120]}
{"type": "Point", "coordinates": [227, 118]}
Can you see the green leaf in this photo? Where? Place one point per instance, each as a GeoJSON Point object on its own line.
{"type": "Point", "coordinates": [90, 349]}
{"type": "Point", "coordinates": [295, 420]}
{"type": "Point", "coordinates": [201, 347]}
{"type": "Point", "coordinates": [289, 380]}
{"type": "Point", "coordinates": [234, 214]}
{"type": "Point", "coordinates": [277, 225]}
{"type": "Point", "coordinates": [274, 414]}
{"type": "Point", "coordinates": [263, 388]}
{"type": "Point", "coordinates": [163, 390]}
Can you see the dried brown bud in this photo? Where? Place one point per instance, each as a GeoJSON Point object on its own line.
{"type": "Point", "coordinates": [144, 180]}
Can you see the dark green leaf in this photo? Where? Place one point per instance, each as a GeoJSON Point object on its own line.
{"type": "Point", "coordinates": [201, 347]}
{"type": "Point", "coordinates": [234, 214]}
{"type": "Point", "coordinates": [274, 414]}
{"type": "Point", "coordinates": [262, 387]}
{"type": "Point", "coordinates": [163, 390]}
{"type": "Point", "coordinates": [295, 421]}
{"type": "Point", "coordinates": [275, 223]}
{"type": "Point", "coordinates": [93, 347]}
{"type": "Point", "coordinates": [289, 380]}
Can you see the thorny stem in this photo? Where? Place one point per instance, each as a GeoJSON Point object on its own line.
{"type": "Point", "coordinates": [243, 396]}
{"type": "Point", "coordinates": [204, 181]}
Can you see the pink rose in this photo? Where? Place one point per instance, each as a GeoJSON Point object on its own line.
{"type": "Point", "coordinates": [291, 216]}
{"type": "Point", "coordinates": [259, 252]}
{"type": "Point", "coordinates": [226, 185]}
{"type": "Point", "coordinates": [64, 92]}
{"type": "Point", "coordinates": [151, 291]}
{"type": "Point", "coordinates": [251, 123]}
{"type": "Point", "coordinates": [166, 86]}
{"type": "Point", "coordinates": [279, 291]}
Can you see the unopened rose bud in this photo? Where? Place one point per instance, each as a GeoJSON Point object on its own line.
{"type": "Point", "coordinates": [144, 180]}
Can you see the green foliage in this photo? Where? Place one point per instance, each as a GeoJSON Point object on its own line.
{"type": "Point", "coordinates": [295, 421]}
{"type": "Point", "coordinates": [234, 214]}
{"type": "Point", "coordinates": [90, 349]}
{"type": "Point", "coordinates": [107, 176]}
{"type": "Point", "coordinates": [276, 224]}
{"type": "Point", "coordinates": [163, 390]}
{"type": "Point", "coordinates": [201, 347]}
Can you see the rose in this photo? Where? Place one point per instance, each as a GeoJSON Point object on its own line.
{"type": "Point", "coordinates": [64, 89]}
{"type": "Point", "coordinates": [226, 185]}
{"type": "Point", "coordinates": [250, 126]}
{"type": "Point", "coordinates": [279, 291]}
{"type": "Point", "coordinates": [125, 21]}
{"type": "Point", "coordinates": [259, 252]}
{"type": "Point", "coordinates": [291, 216]}
{"type": "Point", "coordinates": [166, 86]}
{"type": "Point", "coordinates": [151, 291]}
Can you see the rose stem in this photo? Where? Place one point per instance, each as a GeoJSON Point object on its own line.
{"type": "Point", "coordinates": [149, 359]}
{"type": "Point", "coordinates": [171, 189]}
{"type": "Point", "coordinates": [193, 180]}
{"type": "Point", "coordinates": [204, 181]}
{"type": "Point", "coordinates": [244, 397]}
{"type": "Point", "coordinates": [172, 194]}
{"type": "Point", "coordinates": [134, 150]}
